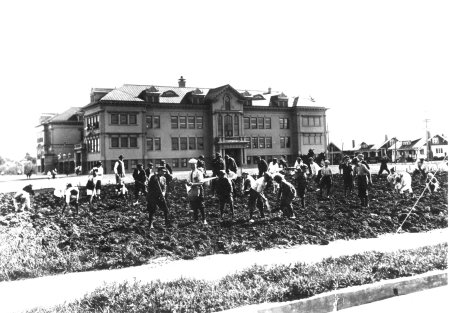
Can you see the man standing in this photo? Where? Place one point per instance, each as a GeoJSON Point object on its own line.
{"type": "Point", "coordinates": [286, 195]}
{"type": "Point", "coordinates": [201, 164]}
{"type": "Point", "coordinates": [327, 178]}
{"type": "Point", "coordinates": [347, 175]}
{"type": "Point", "coordinates": [302, 183]}
{"type": "Point", "coordinates": [119, 170]}
{"type": "Point", "coordinates": [156, 196]}
{"type": "Point", "coordinates": [168, 176]}
{"type": "Point", "coordinates": [139, 182]}
{"type": "Point", "coordinates": [196, 192]}
{"type": "Point", "coordinates": [364, 179]}
{"type": "Point", "coordinates": [149, 170]}
{"type": "Point", "coordinates": [383, 165]}
{"type": "Point", "coordinates": [230, 164]}
{"type": "Point", "coordinates": [218, 164]}
{"type": "Point", "coordinates": [262, 166]}
{"type": "Point", "coordinates": [224, 192]}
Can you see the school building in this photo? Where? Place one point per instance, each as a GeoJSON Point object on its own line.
{"type": "Point", "coordinates": [148, 123]}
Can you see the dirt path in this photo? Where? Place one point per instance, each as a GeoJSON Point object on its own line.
{"type": "Point", "coordinates": [21, 295]}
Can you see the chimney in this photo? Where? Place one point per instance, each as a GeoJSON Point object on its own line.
{"type": "Point", "coordinates": [385, 137]}
{"type": "Point", "coordinates": [269, 90]}
{"type": "Point", "coordinates": [182, 82]}
{"type": "Point", "coordinates": [353, 143]}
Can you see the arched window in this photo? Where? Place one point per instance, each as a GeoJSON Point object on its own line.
{"type": "Point", "coordinates": [227, 102]}
{"type": "Point", "coordinates": [228, 126]}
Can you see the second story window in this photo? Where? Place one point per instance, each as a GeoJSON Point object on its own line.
{"type": "Point", "coordinates": [284, 123]}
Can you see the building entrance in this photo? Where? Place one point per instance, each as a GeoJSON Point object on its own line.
{"type": "Point", "coordinates": [235, 154]}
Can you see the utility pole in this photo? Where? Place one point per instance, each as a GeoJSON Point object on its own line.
{"type": "Point", "coordinates": [427, 138]}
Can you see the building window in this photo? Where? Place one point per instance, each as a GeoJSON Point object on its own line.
{"type": "Point", "coordinates": [114, 119]}
{"type": "Point", "coordinates": [123, 119]}
{"type": "Point", "coordinates": [269, 142]}
{"type": "Point", "coordinates": [249, 159]}
{"type": "Point", "coordinates": [191, 143]}
{"type": "Point", "coordinates": [174, 122]}
{"type": "Point", "coordinates": [191, 122]}
{"type": "Point", "coordinates": [285, 142]}
{"type": "Point", "coordinates": [255, 142]}
{"type": "Point", "coordinates": [228, 126]}
{"type": "Point", "coordinates": [249, 142]}
{"type": "Point", "coordinates": [246, 122]}
{"type": "Point", "coordinates": [183, 143]}
{"type": "Point", "coordinates": [236, 125]}
{"type": "Point", "coordinates": [267, 123]}
{"type": "Point", "coordinates": [157, 142]}
{"type": "Point", "coordinates": [124, 142]}
{"type": "Point", "coordinates": [311, 120]}
{"type": "Point", "coordinates": [183, 122]}
{"type": "Point", "coordinates": [156, 121]}
{"type": "Point", "coordinates": [255, 159]}
{"type": "Point", "coordinates": [284, 123]}
{"type": "Point", "coordinates": [220, 125]}
{"type": "Point", "coordinates": [262, 142]}
{"type": "Point", "coordinates": [149, 143]}
{"type": "Point", "coordinates": [254, 124]}
{"type": "Point", "coordinates": [435, 140]}
{"type": "Point", "coordinates": [175, 143]}
{"type": "Point", "coordinates": [114, 142]}
{"type": "Point", "coordinates": [149, 121]}
{"type": "Point", "coordinates": [260, 122]}
{"type": "Point", "coordinates": [133, 119]}
{"type": "Point", "coordinates": [133, 163]}
{"type": "Point", "coordinates": [183, 162]}
{"type": "Point", "coordinates": [227, 103]}
{"type": "Point", "coordinates": [439, 150]}
{"type": "Point", "coordinates": [199, 122]}
{"type": "Point", "coordinates": [312, 139]}
{"type": "Point", "coordinates": [133, 142]}
{"type": "Point", "coordinates": [175, 163]}
{"type": "Point", "coordinates": [200, 145]}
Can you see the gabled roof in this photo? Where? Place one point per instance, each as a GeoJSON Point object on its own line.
{"type": "Point", "coordinates": [334, 146]}
{"type": "Point", "coordinates": [67, 116]}
{"type": "Point", "coordinates": [411, 146]}
{"type": "Point", "coordinates": [441, 136]}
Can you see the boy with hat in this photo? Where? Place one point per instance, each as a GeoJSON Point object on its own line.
{"type": "Point", "coordinates": [286, 195]}
{"type": "Point", "coordinates": [119, 169]}
{"type": "Point", "coordinates": [156, 196]}
{"type": "Point", "coordinates": [139, 182]}
{"type": "Point", "coordinates": [224, 192]}
{"type": "Point", "coordinates": [22, 200]}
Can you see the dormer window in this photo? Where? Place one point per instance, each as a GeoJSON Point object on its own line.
{"type": "Point", "coordinates": [169, 93]}
{"type": "Point", "coordinates": [406, 143]}
{"type": "Point", "coordinates": [197, 100]}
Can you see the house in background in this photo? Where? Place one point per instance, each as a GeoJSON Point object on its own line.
{"type": "Point", "coordinates": [57, 135]}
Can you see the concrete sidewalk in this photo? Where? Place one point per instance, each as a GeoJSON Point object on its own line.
{"type": "Point", "coordinates": [54, 290]}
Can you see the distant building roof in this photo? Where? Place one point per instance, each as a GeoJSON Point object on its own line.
{"type": "Point", "coordinates": [66, 116]}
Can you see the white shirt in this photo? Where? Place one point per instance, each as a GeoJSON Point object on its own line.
{"type": "Point", "coordinates": [68, 195]}
{"type": "Point", "coordinates": [404, 184]}
{"type": "Point", "coordinates": [195, 176]}
{"type": "Point", "coordinates": [315, 168]}
{"type": "Point", "coordinates": [100, 172]}
{"type": "Point", "coordinates": [260, 184]}
{"type": "Point", "coordinates": [297, 164]}
{"type": "Point", "coordinates": [273, 168]}
{"type": "Point", "coordinates": [116, 165]}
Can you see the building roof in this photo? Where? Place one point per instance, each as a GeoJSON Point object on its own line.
{"type": "Point", "coordinates": [175, 94]}
{"type": "Point", "coordinates": [65, 116]}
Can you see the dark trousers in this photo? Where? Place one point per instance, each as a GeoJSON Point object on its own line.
{"type": "Point", "coordinates": [138, 186]}
{"type": "Point", "coordinates": [152, 205]}
{"type": "Point", "coordinates": [198, 205]}
{"type": "Point", "coordinates": [286, 206]}
{"type": "Point", "coordinates": [363, 192]}
{"type": "Point", "coordinates": [225, 200]}
{"type": "Point", "coordinates": [383, 168]}
{"type": "Point", "coordinates": [255, 200]}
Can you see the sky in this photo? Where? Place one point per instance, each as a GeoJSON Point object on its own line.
{"type": "Point", "coordinates": [380, 67]}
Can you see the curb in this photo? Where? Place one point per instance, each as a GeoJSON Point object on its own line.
{"type": "Point", "coordinates": [353, 296]}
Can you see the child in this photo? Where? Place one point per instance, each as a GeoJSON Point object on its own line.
{"type": "Point", "coordinates": [286, 194]}
{"type": "Point", "coordinates": [347, 174]}
{"type": "Point", "coordinates": [224, 192]}
{"type": "Point", "coordinates": [403, 183]}
{"type": "Point", "coordinates": [302, 183]}
{"type": "Point", "coordinates": [327, 178]}
{"type": "Point", "coordinates": [22, 198]}
{"type": "Point", "coordinates": [121, 190]}
{"type": "Point", "coordinates": [71, 195]}
{"type": "Point", "coordinates": [432, 184]}
{"type": "Point", "coordinates": [90, 186]}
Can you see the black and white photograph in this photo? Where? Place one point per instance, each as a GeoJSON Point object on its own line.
{"type": "Point", "coordinates": [224, 156]}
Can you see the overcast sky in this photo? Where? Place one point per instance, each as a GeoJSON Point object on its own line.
{"type": "Point", "coordinates": [381, 67]}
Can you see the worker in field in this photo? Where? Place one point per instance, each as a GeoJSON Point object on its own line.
{"type": "Point", "coordinates": [314, 172]}
{"type": "Point", "coordinates": [156, 187]}
{"type": "Point", "coordinates": [383, 165]}
{"type": "Point", "coordinates": [256, 195]}
{"type": "Point", "coordinates": [71, 197]}
{"type": "Point", "coordinates": [262, 166]}
{"type": "Point", "coordinates": [403, 183]}
{"type": "Point", "coordinates": [224, 192]}
{"type": "Point", "coordinates": [326, 180]}
{"type": "Point", "coordinates": [347, 175]}
{"type": "Point", "coordinates": [90, 185]}
{"type": "Point", "coordinates": [301, 179]}
{"type": "Point", "coordinates": [98, 183]}
{"type": "Point", "coordinates": [139, 182]}
{"type": "Point", "coordinates": [218, 164]}
{"type": "Point", "coordinates": [364, 180]}
{"type": "Point", "coordinates": [119, 169]}
{"type": "Point", "coordinates": [360, 156]}
{"type": "Point", "coordinates": [196, 193]}
{"type": "Point", "coordinates": [286, 195]}
{"type": "Point", "coordinates": [432, 184]}
{"type": "Point", "coordinates": [149, 170]}
{"type": "Point", "coordinates": [201, 165]}
{"type": "Point", "coordinates": [22, 198]}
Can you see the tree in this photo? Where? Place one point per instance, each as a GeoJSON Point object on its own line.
{"type": "Point", "coordinates": [28, 157]}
